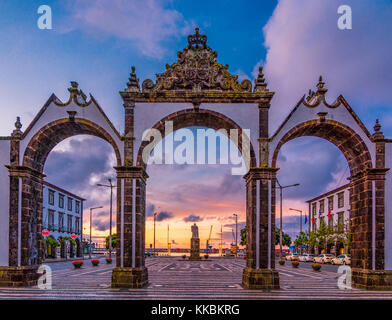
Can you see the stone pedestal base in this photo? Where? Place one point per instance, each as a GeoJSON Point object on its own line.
{"type": "Point", "coordinates": [18, 276]}
{"type": "Point", "coordinates": [129, 277]}
{"type": "Point", "coordinates": [264, 279]}
{"type": "Point", "coordinates": [377, 280]}
{"type": "Point", "coordinates": [195, 249]}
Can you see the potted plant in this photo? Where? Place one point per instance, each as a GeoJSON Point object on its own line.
{"type": "Point", "coordinates": [77, 264]}
{"type": "Point", "coordinates": [184, 256]}
{"type": "Point", "coordinates": [206, 256]}
{"type": "Point", "coordinates": [109, 260]}
{"type": "Point", "coordinates": [281, 261]}
{"type": "Point", "coordinates": [95, 262]}
{"type": "Point", "coordinates": [295, 263]}
{"type": "Point", "coordinates": [316, 266]}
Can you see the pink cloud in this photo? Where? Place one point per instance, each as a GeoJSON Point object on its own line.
{"type": "Point", "coordinates": [303, 42]}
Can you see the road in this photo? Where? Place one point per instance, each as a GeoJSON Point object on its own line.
{"type": "Point", "coordinates": [172, 278]}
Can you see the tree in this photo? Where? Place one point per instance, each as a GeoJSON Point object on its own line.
{"type": "Point", "coordinates": [286, 239]}
{"type": "Point", "coordinates": [114, 241]}
{"type": "Point", "coordinates": [243, 237]}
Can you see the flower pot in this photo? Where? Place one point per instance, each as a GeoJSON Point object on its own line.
{"type": "Point", "coordinates": [206, 256]}
{"type": "Point", "coordinates": [281, 262]}
{"type": "Point", "coordinates": [316, 267]}
{"type": "Point", "coordinates": [95, 262]}
{"type": "Point", "coordinates": [109, 260]}
{"type": "Point", "coordinates": [77, 264]}
{"type": "Point", "coordinates": [184, 256]}
{"type": "Point", "coordinates": [295, 263]}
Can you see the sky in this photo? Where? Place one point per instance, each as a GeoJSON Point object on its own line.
{"type": "Point", "coordinates": [95, 42]}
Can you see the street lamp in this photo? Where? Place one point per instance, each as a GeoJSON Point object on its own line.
{"type": "Point", "coordinates": [111, 186]}
{"type": "Point", "coordinates": [236, 232]}
{"type": "Point", "coordinates": [91, 223]}
{"type": "Point", "coordinates": [300, 224]}
{"type": "Point", "coordinates": [155, 215]}
{"type": "Point", "coordinates": [281, 213]}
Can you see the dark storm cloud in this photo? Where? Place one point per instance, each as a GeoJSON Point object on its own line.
{"type": "Point", "coordinates": [101, 225]}
{"type": "Point", "coordinates": [192, 218]}
{"type": "Point", "coordinates": [73, 169]}
{"type": "Point", "coordinates": [311, 162]}
{"type": "Point", "coordinates": [150, 208]}
{"type": "Point", "coordinates": [163, 215]}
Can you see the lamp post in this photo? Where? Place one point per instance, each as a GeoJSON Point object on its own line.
{"type": "Point", "coordinates": [91, 223]}
{"type": "Point", "coordinates": [155, 216]}
{"type": "Point", "coordinates": [236, 232]}
{"type": "Point", "coordinates": [300, 225]}
{"type": "Point", "coordinates": [281, 212]}
{"type": "Point", "coordinates": [111, 186]}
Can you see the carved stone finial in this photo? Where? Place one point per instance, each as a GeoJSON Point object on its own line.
{"type": "Point", "coordinates": [197, 39]}
{"type": "Point", "coordinates": [377, 131]}
{"type": "Point", "coordinates": [320, 86]}
{"type": "Point", "coordinates": [260, 84]}
{"type": "Point", "coordinates": [17, 132]}
{"type": "Point", "coordinates": [133, 83]}
{"type": "Point", "coordinates": [76, 96]}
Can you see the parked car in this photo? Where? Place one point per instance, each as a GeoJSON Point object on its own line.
{"type": "Point", "coordinates": [323, 258]}
{"type": "Point", "coordinates": [291, 257]}
{"type": "Point", "coordinates": [342, 259]}
{"type": "Point", "coordinates": [306, 257]}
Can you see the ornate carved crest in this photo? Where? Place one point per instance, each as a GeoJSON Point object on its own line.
{"type": "Point", "coordinates": [196, 70]}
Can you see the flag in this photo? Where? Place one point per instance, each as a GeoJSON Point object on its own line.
{"type": "Point", "coordinates": [329, 213]}
{"type": "Point", "coordinates": [306, 219]}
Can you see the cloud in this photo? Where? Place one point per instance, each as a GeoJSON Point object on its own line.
{"type": "Point", "coordinates": [192, 218]}
{"type": "Point", "coordinates": [101, 225]}
{"type": "Point", "coordinates": [164, 215]}
{"type": "Point", "coordinates": [303, 42]}
{"type": "Point", "coordinates": [145, 24]}
{"type": "Point", "coordinates": [77, 164]}
{"type": "Point", "coordinates": [150, 208]}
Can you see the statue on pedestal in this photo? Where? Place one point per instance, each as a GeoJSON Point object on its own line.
{"type": "Point", "coordinates": [195, 243]}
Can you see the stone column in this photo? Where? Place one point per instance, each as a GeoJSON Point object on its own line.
{"type": "Point", "coordinates": [260, 270]}
{"type": "Point", "coordinates": [130, 271]}
{"type": "Point", "coordinates": [25, 229]}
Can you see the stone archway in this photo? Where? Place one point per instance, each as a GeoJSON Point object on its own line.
{"type": "Point", "coordinates": [367, 186]}
{"type": "Point", "coordinates": [25, 254]}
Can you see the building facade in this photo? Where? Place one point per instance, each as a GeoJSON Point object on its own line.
{"type": "Point", "coordinates": [62, 220]}
{"type": "Point", "coordinates": [332, 207]}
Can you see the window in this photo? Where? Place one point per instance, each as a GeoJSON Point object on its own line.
{"type": "Point", "coordinates": [77, 225]}
{"type": "Point", "coordinates": [330, 202]}
{"type": "Point", "coordinates": [50, 219]}
{"type": "Point", "coordinates": [321, 206]}
{"type": "Point", "coordinates": [314, 208]}
{"type": "Point", "coordinates": [341, 221]}
{"type": "Point", "coordinates": [330, 221]}
{"type": "Point", "coordinates": [51, 197]}
{"type": "Point", "coordinates": [61, 201]}
{"type": "Point", "coordinates": [341, 199]}
{"type": "Point", "coordinates": [61, 221]}
{"type": "Point", "coordinates": [69, 223]}
{"type": "Point", "coordinates": [69, 204]}
{"type": "Point", "coordinates": [77, 206]}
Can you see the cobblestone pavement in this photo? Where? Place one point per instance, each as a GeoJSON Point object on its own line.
{"type": "Point", "coordinates": [171, 278]}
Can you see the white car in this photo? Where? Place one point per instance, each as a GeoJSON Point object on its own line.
{"type": "Point", "coordinates": [306, 257]}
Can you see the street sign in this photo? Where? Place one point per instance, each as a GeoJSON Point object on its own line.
{"type": "Point", "coordinates": [45, 233]}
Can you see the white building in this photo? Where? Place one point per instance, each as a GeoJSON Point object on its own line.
{"type": "Point", "coordinates": [62, 216]}
{"type": "Point", "coordinates": [337, 202]}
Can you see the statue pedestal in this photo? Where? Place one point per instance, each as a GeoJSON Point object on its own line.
{"type": "Point", "coordinates": [195, 249]}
